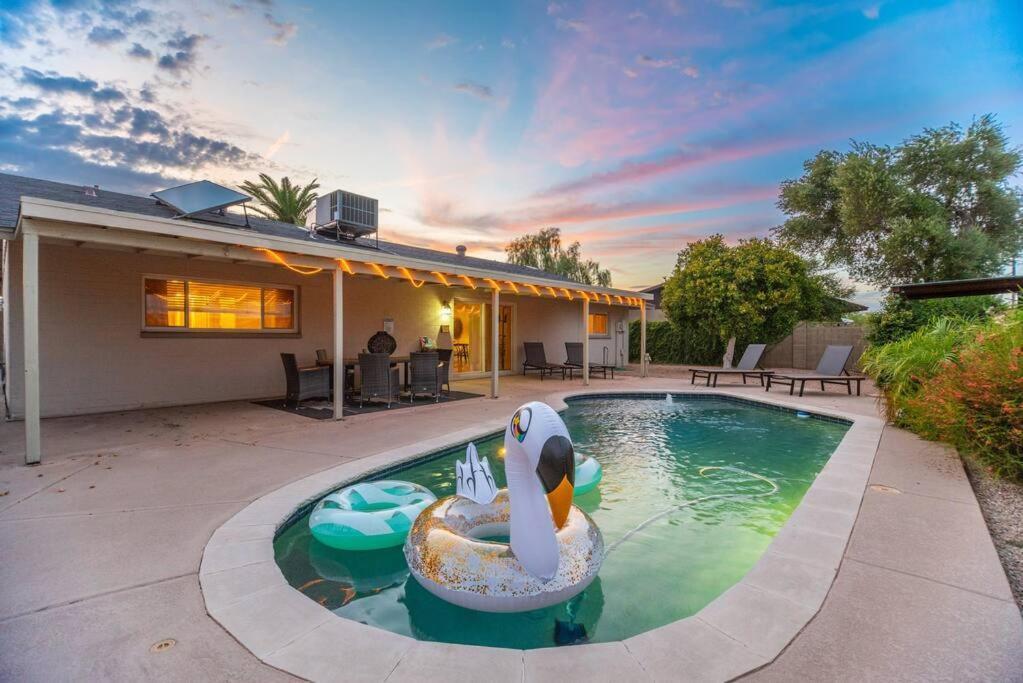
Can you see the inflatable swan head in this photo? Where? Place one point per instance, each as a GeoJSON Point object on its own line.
{"type": "Point", "coordinates": [539, 462]}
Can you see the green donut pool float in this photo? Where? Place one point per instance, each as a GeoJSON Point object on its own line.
{"type": "Point", "coordinates": [588, 474]}
{"type": "Point", "coordinates": [370, 515]}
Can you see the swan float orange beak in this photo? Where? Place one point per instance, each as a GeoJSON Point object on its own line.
{"type": "Point", "coordinates": [556, 470]}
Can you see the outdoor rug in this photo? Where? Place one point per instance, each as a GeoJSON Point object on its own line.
{"type": "Point", "coordinates": [324, 410]}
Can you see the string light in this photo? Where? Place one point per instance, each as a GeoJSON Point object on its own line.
{"type": "Point", "coordinates": [411, 279]}
{"type": "Point", "coordinates": [440, 276]}
{"type": "Point", "coordinates": [512, 285]}
{"type": "Point", "coordinates": [553, 293]}
{"type": "Point", "coordinates": [468, 281]}
{"type": "Point", "coordinates": [345, 266]}
{"type": "Point", "coordinates": [620, 299]}
{"type": "Point", "coordinates": [301, 270]}
{"type": "Point", "coordinates": [535, 290]}
{"type": "Point", "coordinates": [567, 293]}
{"type": "Point", "coordinates": [582, 293]}
{"type": "Point", "coordinates": [379, 271]}
{"type": "Point", "coordinates": [607, 297]}
{"type": "Point", "coordinates": [493, 284]}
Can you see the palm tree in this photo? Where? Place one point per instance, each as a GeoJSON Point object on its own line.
{"type": "Point", "coordinates": [284, 202]}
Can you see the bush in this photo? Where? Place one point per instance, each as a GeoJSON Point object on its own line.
{"type": "Point", "coordinates": [900, 317]}
{"type": "Point", "coordinates": [668, 344]}
{"type": "Point", "coordinates": [959, 381]}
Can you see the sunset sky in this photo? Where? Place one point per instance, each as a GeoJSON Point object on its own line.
{"type": "Point", "coordinates": [635, 127]}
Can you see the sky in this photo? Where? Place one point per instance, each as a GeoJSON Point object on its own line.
{"type": "Point", "coordinates": [635, 127]}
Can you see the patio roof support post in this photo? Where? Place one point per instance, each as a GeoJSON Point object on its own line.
{"type": "Point", "coordinates": [30, 321]}
{"type": "Point", "coordinates": [495, 334]}
{"type": "Point", "coordinates": [642, 339]}
{"type": "Point", "coordinates": [337, 276]}
{"type": "Point", "coordinates": [586, 341]}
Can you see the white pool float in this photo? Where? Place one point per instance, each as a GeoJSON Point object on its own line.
{"type": "Point", "coordinates": [555, 549]}
{"type": "Point", "coordinates": [369, 515]}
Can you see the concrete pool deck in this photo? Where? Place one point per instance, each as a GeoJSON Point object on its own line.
{"type": "Point", "coordinates": [93, 577]}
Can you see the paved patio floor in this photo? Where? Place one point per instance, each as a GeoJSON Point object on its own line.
{"type": "Point", "coordinates": [101, 543]}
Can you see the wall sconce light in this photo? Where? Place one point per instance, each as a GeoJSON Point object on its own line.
{"type": "Point", "coordinates": [445, 312]}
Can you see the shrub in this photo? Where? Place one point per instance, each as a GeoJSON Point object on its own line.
{"type": "Point", "coordinates": [900, 317]}
{"type": "Point", "coordinates": [959, 381]}
{"type": "Point", "coordinates": [668, 344]}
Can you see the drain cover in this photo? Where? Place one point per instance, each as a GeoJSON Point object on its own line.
{"type": "Point", "coordinates": [163, 645]}
{"type": "Point", "coordinates": [881, 488]}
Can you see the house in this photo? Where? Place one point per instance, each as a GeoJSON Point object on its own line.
{"type": "Point", "coordinates": [118, 302]}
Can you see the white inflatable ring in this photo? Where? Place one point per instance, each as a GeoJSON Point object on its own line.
{"type": "Point", "coordinates": [588, 474]}
{"type": "Point", "coordinates": [369, 515]}
{"type": "Point", "coordinates": [445, 554]}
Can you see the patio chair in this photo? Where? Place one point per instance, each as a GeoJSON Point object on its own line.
{"type": "Point", "coordinates": [379, 380]}
{"type": "Point", "coordinates": [444, 370]}
{"type": "Point", "coordinates": [749, 366]}
{"type": "Point", "coordinates": [425, 371]}
{"type": "Point", "coordinates": [574, 351]}
{"type": "Point", "coordinates": [830, 370]}
{"type": "Point", "coordinates": [304, 383]}
{"type": "Point", "coordinates": [536, 359]}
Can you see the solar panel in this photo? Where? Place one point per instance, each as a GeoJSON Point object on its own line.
{"type": "Point", "coordinates": [199, 197]}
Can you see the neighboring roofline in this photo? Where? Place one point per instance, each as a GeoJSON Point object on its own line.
{"type": "Point", "coordinates": [651, 288]}
{"type": "Point", "coordinates": [52, 210]}
{"type": "Point", "coordinates": [940, 289]}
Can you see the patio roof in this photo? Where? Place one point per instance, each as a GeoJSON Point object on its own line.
{"type": "Point", "coordinates": [257, 232]}
{"type": "Point", "coordinates": [949, 288]}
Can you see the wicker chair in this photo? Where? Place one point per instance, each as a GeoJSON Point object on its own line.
{"type": "Point", "coordinates": [304, 383]}
{"type": "Point", "coordinates": [444, 370]}
{"type": "Point", "coordinates": [379, 379]}
{"type": "Point", "coordinates": [425, 371]}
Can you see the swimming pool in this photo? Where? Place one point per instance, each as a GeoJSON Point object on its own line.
{"type": "Point", "coordinates": [656, 571]}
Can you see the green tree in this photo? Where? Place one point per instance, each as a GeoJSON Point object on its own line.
{"type": "Point", "coordinates": [282, 202]}
{"type": "Point", "coordinates": [936, 207]}
{"type": "Point", "coordinates": [543, 250]}
{"type": "Point", "coordinates": [755, 291]}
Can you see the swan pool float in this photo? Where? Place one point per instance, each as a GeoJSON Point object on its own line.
{"type": "Point", "coordinates": [555, 549]}
{"type": "Point", "coordinates": [369, 515]}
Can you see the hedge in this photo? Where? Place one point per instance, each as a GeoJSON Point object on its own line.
{"type": "Point", "coordinates": [669, 345]}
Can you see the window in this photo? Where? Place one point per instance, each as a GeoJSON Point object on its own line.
{"type": "Point", "coordinates": [598, 324]}
{"type": "Point", "coordinates": [180, 305]}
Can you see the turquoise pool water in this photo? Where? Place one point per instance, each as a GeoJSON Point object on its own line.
{"type": "Point", "coordinates": [651, 452]}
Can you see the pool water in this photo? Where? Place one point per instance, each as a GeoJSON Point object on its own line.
{"type": "Point", "coordinates": [652, 452]}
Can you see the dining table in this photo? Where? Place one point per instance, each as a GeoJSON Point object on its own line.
{"type": "Point", "coordinates": [352, 363]}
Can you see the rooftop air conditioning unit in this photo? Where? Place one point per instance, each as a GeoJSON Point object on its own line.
{"type": "Point", "coordinates": [345, 215]}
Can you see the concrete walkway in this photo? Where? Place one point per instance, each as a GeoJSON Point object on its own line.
{"type": "Point", "coordinates": [101, 543]}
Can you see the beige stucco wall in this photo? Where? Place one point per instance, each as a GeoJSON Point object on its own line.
{"type": "Point", "coordinates": [94, 358]}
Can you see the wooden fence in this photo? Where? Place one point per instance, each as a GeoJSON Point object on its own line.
{"type": "Point", "coordinates": [804, 347]}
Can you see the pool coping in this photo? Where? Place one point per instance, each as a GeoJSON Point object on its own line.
{"type": "Point", "coordinates": [743, 629]}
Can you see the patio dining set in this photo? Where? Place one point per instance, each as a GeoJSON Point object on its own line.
{"type": "Point", "coordinates": [425, 373]}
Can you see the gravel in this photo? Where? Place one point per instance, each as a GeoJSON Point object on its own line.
{"type": "Point", "coordinates": [1001, 501]}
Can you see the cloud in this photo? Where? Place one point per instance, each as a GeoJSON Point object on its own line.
{"type": "Point", "coordinates": [508, 43]}
{"type": "Point", "coordinates": [277, 144]}
{"type": "Point", "coordinates": [655, 63]}
{"type": "Point", "coordinates": [107, 95]}
{"type": "Point", "coordinates": [183, 52]}
{"type": "Point", "coordinates": [283, 31]}
{"type": "Point", "coordinates": [872, 12]}
{"type": "Point", "coordinates": [105, 35]}
{"type": "Point", "coordinates": [55, 83]}
{"type": "Point", "coordinates": [577, 25]}
{"type": "Point", "coordinates": [691, 71]}
{"type": "Point", "coordinates": [554, 8]}
{"type": "Point", "coordinates": [441, 41]}
{"type": "Point", "coordinates": [139, 52]}
{"type": "Point", "coordinates": [631, 73]}
{"type": "Point", "coordinates": [483, 92]}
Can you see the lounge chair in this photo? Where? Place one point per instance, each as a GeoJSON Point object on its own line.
{"type": "Point", "coordinates": [536, 359]}
{"type": "Point", "coordinates": [830, 370]}
{"type": "Point", "coordinates": [574, 351]}
{"type": "Point", "coordinates": [749, 366]}
{"type": "Point", "coordinates": [425, 370]}
{"type": "Point", "coordinates": [304, 383]}
{"type": "Point", "coordinates": [379, 380]}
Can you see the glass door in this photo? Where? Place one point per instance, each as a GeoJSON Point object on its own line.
{"type": "Point", "coordinates": [504, 342]}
